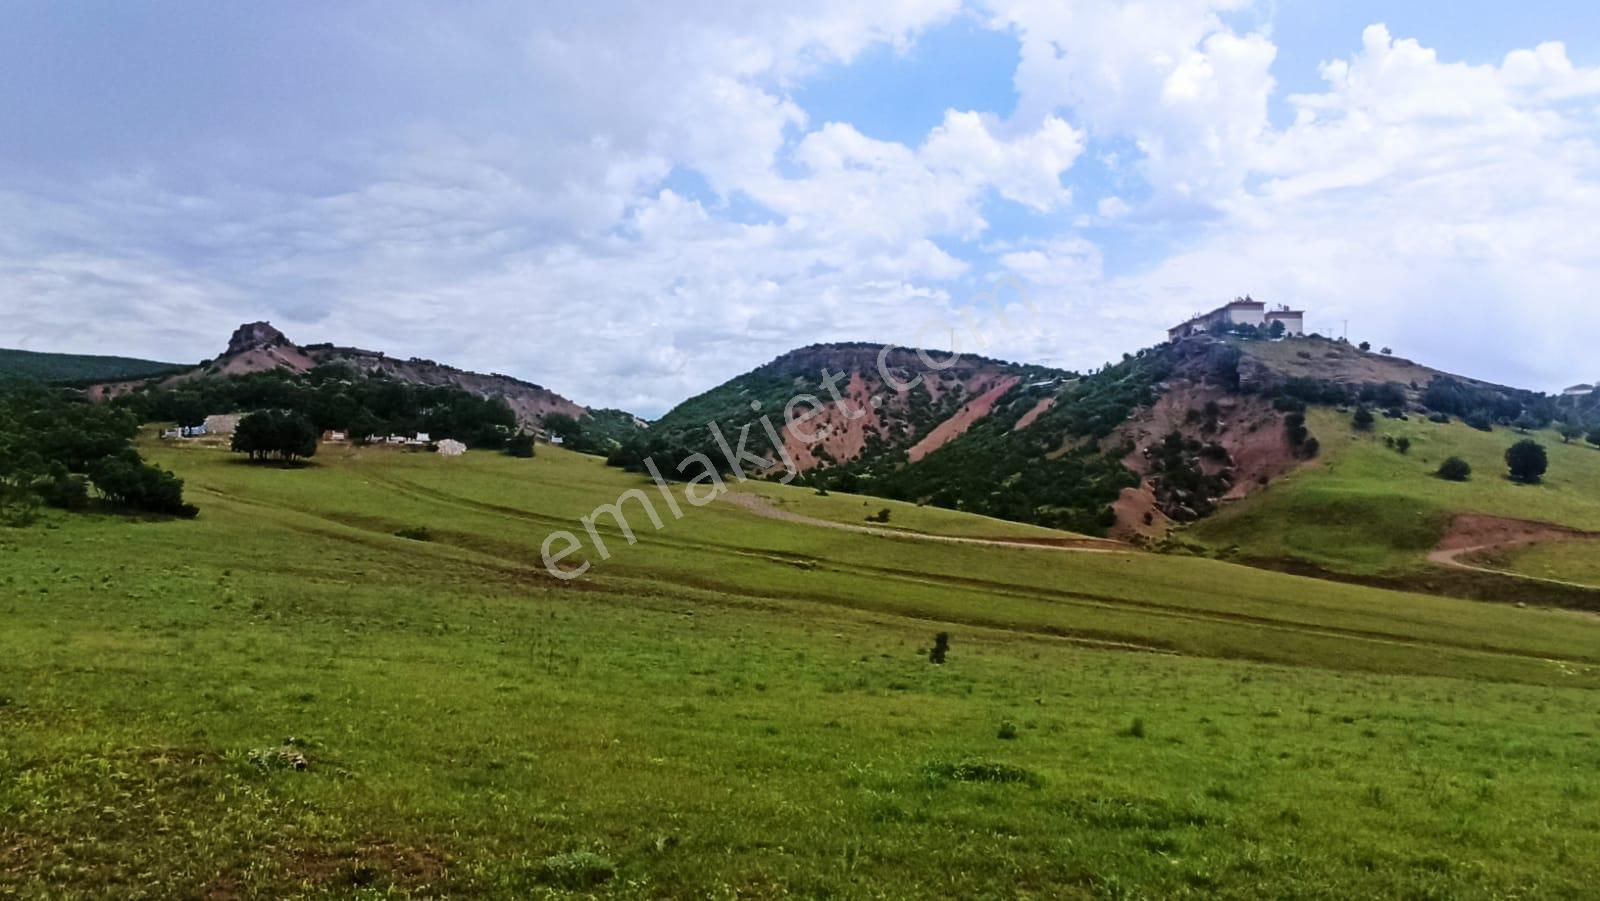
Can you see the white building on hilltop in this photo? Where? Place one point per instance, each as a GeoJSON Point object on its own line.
{"type": "Point", "coordinates": [1243, 311]}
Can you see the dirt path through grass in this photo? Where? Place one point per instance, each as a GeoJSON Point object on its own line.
{"type": "Point", "coordinates": [1473, 533]}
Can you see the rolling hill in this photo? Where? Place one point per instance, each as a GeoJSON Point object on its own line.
{"type": "Point", "coordinates": [356, 679]}
{"type": "Point", "coordinates": [257, 347]}
{"type": "Point", "coordinates": [56, 368]}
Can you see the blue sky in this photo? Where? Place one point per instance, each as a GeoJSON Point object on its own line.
{"type": "Point", "coordinates": [630, 203]}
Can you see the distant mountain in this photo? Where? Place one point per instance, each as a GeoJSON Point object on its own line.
{"type": "Point", "coordinates": [77, 368]}
{"type": "Point", "coordinates": [259, 347]}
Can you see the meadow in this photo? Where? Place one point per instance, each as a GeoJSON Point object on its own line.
{"type": "Point", "coordinates": [356, 679]}
{"type": "Point", "coordinates": [1365, 508]}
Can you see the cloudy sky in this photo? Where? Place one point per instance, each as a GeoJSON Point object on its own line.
{"type": "Point", "coordinates": [630, 202]}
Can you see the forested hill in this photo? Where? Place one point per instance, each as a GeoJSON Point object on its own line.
{"type": "Point", "coordinates": [32, 366]}
{"type": "Point", "coordinates": [1162, 438]}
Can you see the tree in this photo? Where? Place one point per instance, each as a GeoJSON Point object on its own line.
{"type": "Point", "coordinates": [275, 434]}
{"type": "Point", "coordinates": [1571, 430]}
{"type": "Point", "coordinates": [1277, 330]}
{"type": "Point", "coordinates": [520, 445]}
{"type": "Point", "coordinates": [1594, 438]}
{"type": "Point", "coordinates": [1455, 469]}
{"type": "Point", "coordinates": [1365, 346]}
{"type": "Point", "coordinates": [1402, 444]}
{"type": "Point", "coordinates": [1387, 351]}
{"type": "Point", "coordinates": [1527, 461]}
{"type": "Point", "coordinates": [1362, 420]}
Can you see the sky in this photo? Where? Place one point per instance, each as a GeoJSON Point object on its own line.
{"type": "Point", "coordinates": [632, 202]}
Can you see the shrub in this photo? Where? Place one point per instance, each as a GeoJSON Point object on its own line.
{"type": "Point", "coordinates": [1402, 444]}
{"type": "Point", "coordinates": [941, 647]}
{"type": "Point", "coordinates": [880, 516]}
{"type": "Point", "coordinates": [520, 445]}
{"type": "Point", "coordinates": [1136, 728]}
{"type": "Point", "coordinates": [1480, 421]}
{"type": "Point", "coordinates": [1527, 461]}
{"type": "Point", "coordinates": [1363, 419]}
{"type": "Point", "coordinates": [1008, 731]}
{"type": "Point", "coordinates": [985, 771]}
{"type": "Point", "coordinates": [1594, 438]}
{"type": "Point", "coordinates": [1455, 469]}
{"type": "Point", "coordinates": [576, 870]}
{"type": "Point", "coordinates": [1440, 418]}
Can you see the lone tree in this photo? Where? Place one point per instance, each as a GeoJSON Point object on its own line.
{"type": "Point", "coordinates": [1528, 462]}
{"type": "Point", "coordinates": [520, 445]}
{"type": "Point", "coordinates": [275, 435]}
{"type": "Point", "coordinates": [1455, 469]}
{"type": "Point", "coordinates": [1570, 431]}
{"type": "Point", "coordinates": [1363, 419]}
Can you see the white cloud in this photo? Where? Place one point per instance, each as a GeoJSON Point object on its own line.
{"type": "Point", "coordinates": [511, 200]}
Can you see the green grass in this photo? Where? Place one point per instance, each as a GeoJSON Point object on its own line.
{"type": "Point", "coordinates": [853, 509]}
{"type": "Point", "coordinates": [1564, 561]}
{"type": "Point", "coordinates": [738, 706]}
{"type": "Point", "coordinates": [1367, 509]}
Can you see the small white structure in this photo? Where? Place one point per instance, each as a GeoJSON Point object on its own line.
{"type": "Point", "coordinates": [1579, 391]}
{"type": "Point", "coordinates": [422, 438]}
{"type": "Point", "coordinates": [221, 424]}
{"type": "Point", "coordinates": [450, 447]}
{"type": "Point", "coordinates": [557, 440]}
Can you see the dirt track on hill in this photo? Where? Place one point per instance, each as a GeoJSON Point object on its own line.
{"type": "Point", "coordinates": [1475, 533]}
{"type": "Point", "coordinates": [764, 507]}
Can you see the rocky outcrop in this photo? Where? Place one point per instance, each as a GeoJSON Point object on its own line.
{"type": "Point", "coordinates": [254, 336]}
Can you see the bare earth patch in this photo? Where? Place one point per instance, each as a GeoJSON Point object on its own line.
{"type": "Point", "coordinates": [1476, 533]}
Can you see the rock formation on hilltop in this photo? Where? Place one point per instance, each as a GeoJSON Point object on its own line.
{"type": "Point", "coordinates": [260, 347]}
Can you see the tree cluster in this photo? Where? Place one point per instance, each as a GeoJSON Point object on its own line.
{"type": "Point", "coordinates": [54, 445]}
{"type": "Point", "coordinates": [281, 435]}
{"type": "Point", "coordinates": [337, 397]}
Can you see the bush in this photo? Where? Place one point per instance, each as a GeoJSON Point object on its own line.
{"type": "Point", "coordinates": [1403, 445]}
{"type": "Point", "coordinates": [985, 771]}
{"type": "Point", "coordinates": [129, 481]}
{"type": "Point", "coordinates": [1455, 469]}
{"type": "Point", "coordinates": [941, 647]}
{"type": "Point", "coordinates": [1527, 461]}
{"type": "Point", "coordinates": [880, 516]}
{"type": "Point", "coordinates": [1008, 731]}
{"type": "Point", "coordinates": [1480, 421]}
{"type": "Point", "coordinates": [1594, 438]}
{"type": "Point", "coordinates": [576, 870]}
{"type": "Point", "coordinates": [1363, 420]}
{"type": "Point", "coordinates": [520, 445]}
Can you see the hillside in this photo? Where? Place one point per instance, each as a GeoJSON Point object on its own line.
{"type": "Point", "coordinates": [1369, 510]}
{"type": "Point", "coordinates": [1165, 438]}
{"type": "Point", "coordinates": [258, 347]}
{"type": "Point", "coordinates": [33, 366]}
{"type": "Point", "coordinates": [324, 708]}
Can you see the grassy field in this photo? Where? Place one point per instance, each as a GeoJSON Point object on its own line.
{"type": "Point", "coordinates": [1566, 561]}
{"type": "Point", "coordinates": [1367, 509]}
{"type": "Point", "coordinates": [742, 707]}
